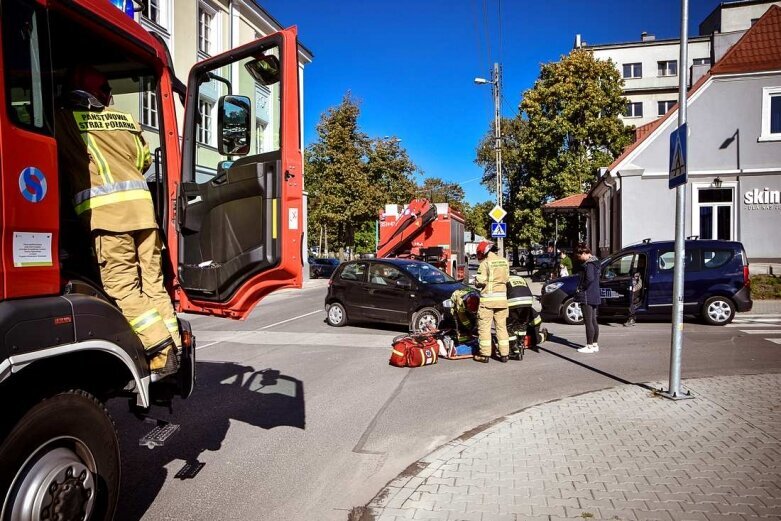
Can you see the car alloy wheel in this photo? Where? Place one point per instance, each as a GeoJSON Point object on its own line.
{"type": "Point", "coordinates": [337, 316]}
{"type": "Point", "coordinates": [718, 311]}
{"type": "Point", "coordinates": [573, 313]}
{"type": "Point", "coordinates": [427, 319]}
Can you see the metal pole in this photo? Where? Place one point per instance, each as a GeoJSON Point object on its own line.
{"type": "Point", "coordinates": [497, 84]}
{"type": "Point", "coordinates": [674, 391]}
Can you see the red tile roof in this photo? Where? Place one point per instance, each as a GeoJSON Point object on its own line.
{"type": "Point", "coordinates": [570, 203]}
{"type": "Point", "coordinates": [757, 50]}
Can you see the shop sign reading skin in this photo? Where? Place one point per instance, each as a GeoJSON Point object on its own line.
{"type": "Point", "coordinates": [765, 199]}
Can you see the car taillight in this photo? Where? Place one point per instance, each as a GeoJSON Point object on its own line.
{"type": "Point", "coordinates": [330, 281]}
{"type": "Point", "coordinates": [746, 279]}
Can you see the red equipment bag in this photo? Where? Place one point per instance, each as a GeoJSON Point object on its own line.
{"type": "Point", "coordinates": [414, 351]}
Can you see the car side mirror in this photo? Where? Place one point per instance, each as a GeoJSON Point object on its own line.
{"type": "Point", "coordinates": [233, 125]}
{"type": "Point", "coordinates": [404, 284]}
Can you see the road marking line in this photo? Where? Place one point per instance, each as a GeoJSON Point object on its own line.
{"type": "Point", "coordinates": [207, 345]}
{"type": "Point", "coordinates": [757, 320]}
{"type": "Point", "coordinates": [760, 331]}
{"type": "Point", "coordinates": [761, 315]}
{"type": "Point", "coordinates": [774, 340]}
{"type": "Point", "coordinates": [290, 319]}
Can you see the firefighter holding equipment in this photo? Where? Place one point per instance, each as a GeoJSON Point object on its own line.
{"type": "Point", "coordinates": [523, 319]}
{"type": "Point", "coordinates": [103, 157]}
{"type": "Point", "coordinates": [492, 277]}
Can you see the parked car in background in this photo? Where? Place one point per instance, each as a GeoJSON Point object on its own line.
{"type": "Point", "coordinates": [716, 283]}
{"type": "Point", "coordinates": [322, 268]}
{"type": "Point", "coordinates": [544, 260]}
{"type": "Point", "coordinates": [393, 291]}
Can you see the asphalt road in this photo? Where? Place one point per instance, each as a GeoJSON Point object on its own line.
{"type": "Point", "coordinates": [293, 419]}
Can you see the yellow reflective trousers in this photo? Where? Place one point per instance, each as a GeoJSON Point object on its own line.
{"type": "Point", "coordinates": [131, 272]}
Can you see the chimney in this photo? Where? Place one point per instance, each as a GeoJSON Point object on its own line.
{"type": "Point", "coordinates": [578, 43]}
{"type": "Point", "coordinates": [645, 37]}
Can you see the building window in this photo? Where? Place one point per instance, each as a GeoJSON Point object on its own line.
{"type": "Point", "coordinates": [149, 104]}
{"type": "Point", "coordinates": [668, 68]}
{"type": "Point", "coordinates": [713, 212]}
{"type": "Point", "coordinates": [152, 12]}
{"type": "Point", "coordinates": [633, 70]}
{"type": "Point", "coordinates": [664, 106]}
{"type": "Point", "coordinates": [204, 134]}
{"type": "Point", "coordinates": [701, 61]}
{"type": "Point", "coordinates": [634, 109]}
{"type": "Point", "coordinates": [771, 114]}
{"type": "Point", "coordinates": [205, 32]}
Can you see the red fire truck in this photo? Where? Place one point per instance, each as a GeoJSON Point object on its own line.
{"type": "Point", "coordinates": [229, 212]}
{"type": "Point", "coordinates": [422, 230]}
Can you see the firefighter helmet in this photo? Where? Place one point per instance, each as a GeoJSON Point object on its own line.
{"type": "Point", "coordinates": [483, 248]}
{"type": "Point", "coordinates": [472, 302]}
{"type": "Point", "coordinates": [90, 80]}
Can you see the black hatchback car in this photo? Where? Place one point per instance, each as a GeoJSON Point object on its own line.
{"type": "Point", "coordinates": [716, 283]}
{"type": "Point", "coordinates": [394, 291]}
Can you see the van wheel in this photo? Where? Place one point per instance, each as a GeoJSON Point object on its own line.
{"type": "Point", "coordinates": [61, 461]}
{"type": "Point", "coordinates": [426, 319]}
{"type": "Point", "coordinates": [718, 311]}
{"type": "Point", "coordinates": [337, 315]}
{"type": "Point", "coordinates": [572, 313]}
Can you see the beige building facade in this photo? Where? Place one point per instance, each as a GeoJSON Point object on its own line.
{"type": "Point", "coordinates": [195, 30]}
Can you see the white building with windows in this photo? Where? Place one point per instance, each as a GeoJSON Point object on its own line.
{"type": "Point", "coordinates": [733, 163]}
{"type": "Point", "coordinates": [650, 68]}
{"type": "Point", "coordinates": [194, 30]}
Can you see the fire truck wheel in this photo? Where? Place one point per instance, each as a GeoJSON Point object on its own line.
{"type": "Point", "coordinates": [61, 461]}
{"type": "Point", "coordinates": [425, 319]}
{"type": "Point", "coordinates": [337, 315]}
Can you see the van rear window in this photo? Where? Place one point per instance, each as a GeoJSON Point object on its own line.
{"type": "Point", "coordinates": [713, 258]}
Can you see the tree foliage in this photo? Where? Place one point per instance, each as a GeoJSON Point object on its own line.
{"type": "Point", "coordinates": [350, 176]}
{"type": "Point", "coordinates": [567, 128]}
{"type": "Point", "coordinates": [477, 219]}
{"type": "Point", "coordinates": [438, 190]}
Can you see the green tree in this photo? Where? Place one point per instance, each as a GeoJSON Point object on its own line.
{"type": "Point", "coordinates": [568, 127]}
{"type": "Point", "coordinates": [477, 218]}
{"type": "Point", "coordinates": [351, 176]}
{"type": "Point", "coordinates": [438, 190]}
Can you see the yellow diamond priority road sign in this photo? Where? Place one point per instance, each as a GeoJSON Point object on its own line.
{"type": "Point", "coordinates": [497, 213]}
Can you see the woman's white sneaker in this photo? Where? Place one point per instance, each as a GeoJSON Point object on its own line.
{"type": "Point", "coordinates": [595, 348]}
{"type": "Point", "coordinates": [589, 348]}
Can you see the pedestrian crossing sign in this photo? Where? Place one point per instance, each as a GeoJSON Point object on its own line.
{"type": "Point", "coordinates": [678, 170]}
{"type": "Point", "coordinates": [498, 230]}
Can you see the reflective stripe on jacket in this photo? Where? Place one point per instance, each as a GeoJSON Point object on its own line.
{"type": "Point", "coordinates": [492, 277]}
{"type": "Point", "coordinates": [103, 156]}
{"type": "Point", "coordinates": [518, 293]}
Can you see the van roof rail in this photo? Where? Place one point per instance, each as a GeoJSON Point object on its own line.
{"type": "Point", "coordinates": [646, 241]}
{"type": "Point", "coordinates": [692, 237]}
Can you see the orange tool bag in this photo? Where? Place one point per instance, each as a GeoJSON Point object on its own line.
{"type": "Point", "coordinates": [414, 350]}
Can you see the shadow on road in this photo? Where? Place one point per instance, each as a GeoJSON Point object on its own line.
{"type": "Point", "coordinates": [567, 343]}
{"type": "Point", "coordinates": [224, 392]}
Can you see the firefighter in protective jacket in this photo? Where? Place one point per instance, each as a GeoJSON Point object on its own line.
{"type": "Point", "coordinates": [103, 157]}
{"type": "Point", "coordinates": [492, 277]}
{"type": "Point", "coordinates": [524, 319]}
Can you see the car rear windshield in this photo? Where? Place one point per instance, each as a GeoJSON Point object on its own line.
{"type": "Point", "coordinates": [427, 274]}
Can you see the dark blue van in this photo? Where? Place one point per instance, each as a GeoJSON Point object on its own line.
{"type": "Point", "coordinates": [716, 283]}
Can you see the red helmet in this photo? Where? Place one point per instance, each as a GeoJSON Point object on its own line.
{"type": "Point", "coordinates": [472, 302]}
{"type": "Point", "coordinates": [483, 248]}
{"type": "Point", "coordinates": [91, 80]}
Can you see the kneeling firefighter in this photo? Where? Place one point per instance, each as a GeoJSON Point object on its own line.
{"type": "Point", "coordinates": [103, 157]}
{"type": "Point", "coordinates": [492, 277]}
{"type": "Point", "coordinates": [523, 319]}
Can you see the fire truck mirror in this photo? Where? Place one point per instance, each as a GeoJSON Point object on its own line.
{"type": "Point", "coordinates": [234, 125]}
{"type": "Point", "coordinates": [265, 70]}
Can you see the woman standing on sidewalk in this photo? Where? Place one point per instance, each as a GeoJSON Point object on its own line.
{"type": "Point", "coordinates": [588, 296]}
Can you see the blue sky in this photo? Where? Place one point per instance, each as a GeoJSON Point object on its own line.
{"type": "Point", "coordinates": [412, 63]}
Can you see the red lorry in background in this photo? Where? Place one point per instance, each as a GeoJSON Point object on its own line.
{"type": "Point", "coordinates": [426, 231]}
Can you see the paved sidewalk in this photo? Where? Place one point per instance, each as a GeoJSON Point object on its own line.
{"type": "Point", "coordinates": [618, 454]}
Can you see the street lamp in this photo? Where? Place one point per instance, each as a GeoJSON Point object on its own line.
{"type": "Point", "coordinates": [495, 82]}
